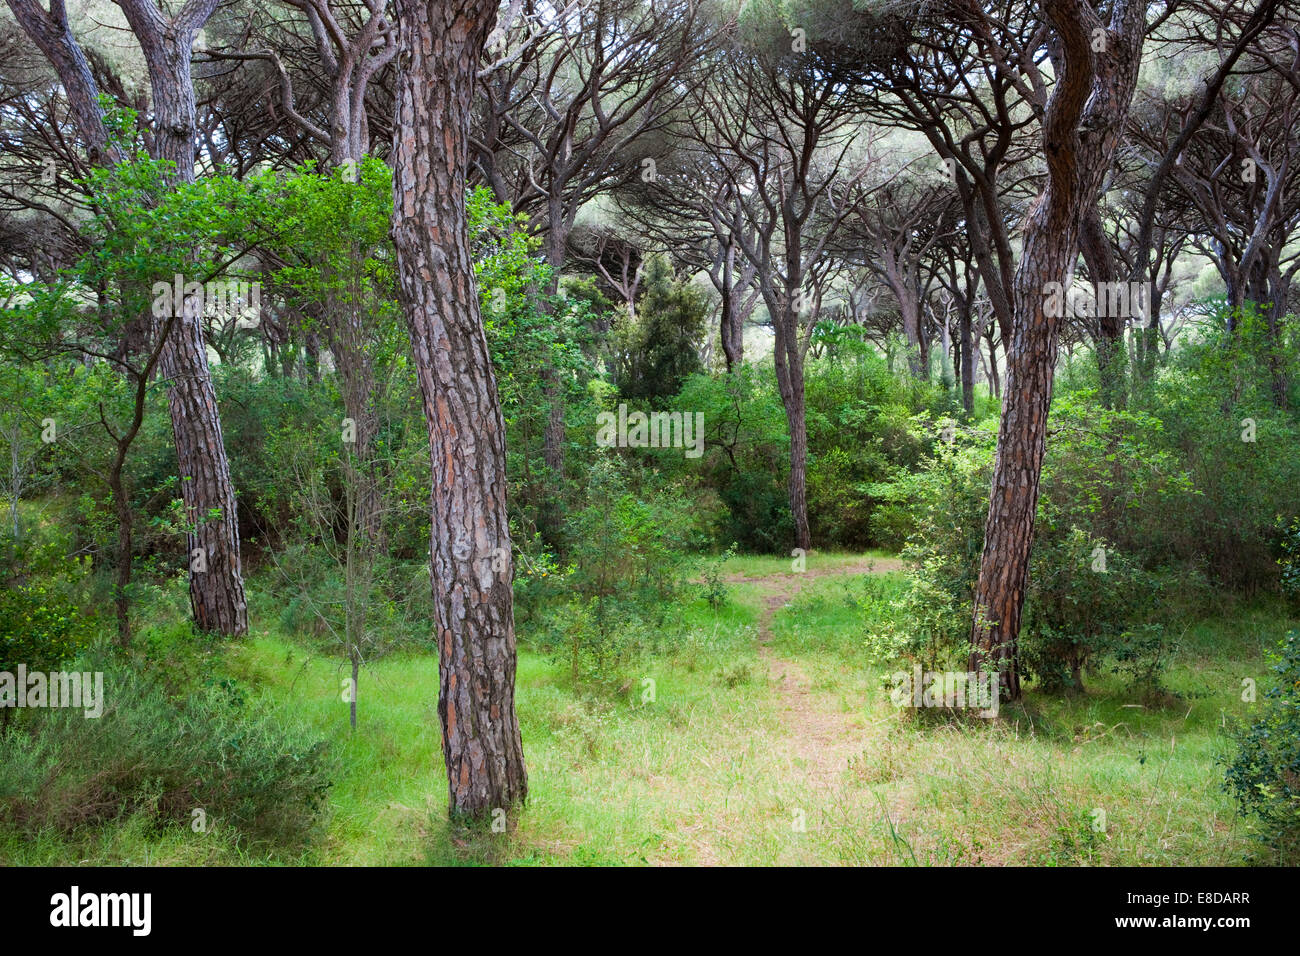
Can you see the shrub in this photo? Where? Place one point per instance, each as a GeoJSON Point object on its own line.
{"type": "Point", "coordinates": [1238, 448]}
{"type": "Point", "coordinates": [654, 353]}
{"type": "Point", "coordinates": [746, 458]}
{"type": "Point", "coordinates": [860, 433]}
{"type": "Point", "coordinates": [1264, 773]}
{"type": "Point", "coordinates": [942, 505]}
{"type": "Point", "coordinates": [1082, 599]}
{"type": "Point", "coordinates": [716, 589]}
{"type": "Point", "coordinates": [1290, 560]}
{"type": "Point", "coordinates": [629, 552]}
{"type": "Point", "coordinates": [166, 756]}
{"type": "Point", "coordinates": [1099, 473]}
{"type": "Point", "coordinates": [41, 624]}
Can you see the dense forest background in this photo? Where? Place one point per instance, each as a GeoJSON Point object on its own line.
{"type": "Point", "coordinates": [967, 399]}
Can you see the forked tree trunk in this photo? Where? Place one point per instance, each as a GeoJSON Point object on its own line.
{"type": "Point", "coordinates": [731, 321]}
{"type": "Point", "coordinates": [217, 592]}
{"type": "Point", "coordinates": [1081, 127]}
{"type": "Point", "coordinates": [439, 48]}
{"type": "Point", "coordinates": [216, 575]}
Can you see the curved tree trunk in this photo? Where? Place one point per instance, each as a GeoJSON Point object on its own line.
{"type": "Point", "coordinates": [439, 48]}
{"type": "Point", "coordinates": [1081, 127]}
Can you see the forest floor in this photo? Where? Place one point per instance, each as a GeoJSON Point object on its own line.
{"type": "Point", "coordinates": [817, 739]}
{"type": "Point", "coordinates": [768, 739]}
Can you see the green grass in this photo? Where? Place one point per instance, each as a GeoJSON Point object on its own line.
{"type": "Point", "coordinates": [1025, 789]}
{"type": "Point", "coordinates": [724, 764]}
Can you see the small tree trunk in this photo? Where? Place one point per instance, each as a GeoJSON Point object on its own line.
{"type": "Point", "coordinates": [790, 383]}
{"type": "Point", "coordinates": [966, 344]}
{"type": "Point", "coordinates": [355, 657]}
{"type": "Point", "coordinates": [732, 339]}
{"type": "Point", "coordinates": [122, 572]}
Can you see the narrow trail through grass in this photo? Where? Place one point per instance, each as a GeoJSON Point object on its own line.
{"type": "Point", "coordinates": [818, 738]}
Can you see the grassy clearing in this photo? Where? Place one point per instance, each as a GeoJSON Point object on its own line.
{"type": "Point", "coordinates": [1034, 786]}
{"type": "Point", "coordinates": [767, 566]}
{"type": "Point", "coordinates": [791, 754]}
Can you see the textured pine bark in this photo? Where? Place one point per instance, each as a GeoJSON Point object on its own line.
{"type": "Point", "coordinates": [217, 593]}
{"type": "Point", "coordinates": [438, 51]}
{"type": "Point", "coordinates": [216, 581]}
{"type": "Point", "coordinates": [788, 360]}
{"type": "Point", "coordinates": [1081, 128]}
{"type": "Point", "coordinates": [732, 340]}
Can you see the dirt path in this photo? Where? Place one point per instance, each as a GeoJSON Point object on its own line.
{"type": "Point", "coordinates": [819, 737]}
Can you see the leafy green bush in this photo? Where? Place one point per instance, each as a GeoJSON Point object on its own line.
{"type": "Point", "coordinates": [629, 555]}
{"type": "Point", "coordinates": [942, 505]}
{"type": "Point", "coordinates": [1084, 598]}
{"type": "Point", "coordinates": [716, 589]}
{"type": "Point", "coordinates": [1082, 604]}
{"type": "Point", "coordinates": [746, 458]}
{"type": "Point", "coordinates": [861, 432]}
{"type": "Point", "coordinates": [1290, 559]}
{"type": "Point", "coordinates": [41, 622]}
{"type": "Point", "coordinates": [542, 353]}
{"type": "Point", "coordinates": [1220, 421]}
{"type": "Point", "coordinates": [1264, 774]}
{"type": "Point", "coordinates": [166, 755]}
{"type": "Point", "coordinates": [654, 352]}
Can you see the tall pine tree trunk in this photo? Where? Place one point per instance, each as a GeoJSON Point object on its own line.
{"type": "Point", "coordinates": [216, 578]}
{"type": "Point", "coordinates": [788, 358]}
{"type": "Point", "coordinates": [438, 52]}
{"type": "Point", "coordinates": [216, 574]}
{"type": "Point", "coordinates": [1081, 128]}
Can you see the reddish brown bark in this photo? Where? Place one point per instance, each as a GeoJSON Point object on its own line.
{"type": "Point", "coordinates": [216, 579]}
{"type": "Point", "coordinates": [217, 591]}
{"type": "Point", "coordinates": [1081, 127]}
{"type": "Point", "coordinates": [439, 47]}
